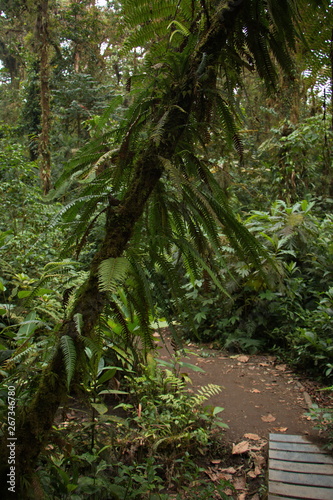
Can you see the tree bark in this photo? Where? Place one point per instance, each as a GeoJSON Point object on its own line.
{"type": "Point", "coordinates": [42, 24]}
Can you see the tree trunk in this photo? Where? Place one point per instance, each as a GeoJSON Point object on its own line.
{"type": "Point", "coordinates": [44, 138]}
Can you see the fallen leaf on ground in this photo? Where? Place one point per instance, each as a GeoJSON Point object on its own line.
{"type": "Point", "coordinates": [255, 437]}
{"type": "Point", "coordinates": [281, 368]}
{"type": "Point", "coordinates": [263, 364]}
{"type": "Point", "coordinates": [243, 359]}
{"type": "Point", "coordinates": [255, 390]}
{"type": "Point", "coordinates": [258, 448]}
{"type": "Point", "coordinates": [242, 496]}
{"type": "Point", "coordinates": [229, 470]}
{"type": "Point", "coordinates": [242, 447]}
{"type": "Point", "coordinates": [218, 476]}
{"type": "Point", "coordinates": [259, 460]}
{"type": "Point", "coordinates": [215, 461]}
{"type": "Point", "coordinates": [280, 429]}
{"type": "Point", "coordinates": [254, 473]}
{"type": "Point", "coordinates": [239, 483]}
{"type": "Point", "coordinates": [268, 418]}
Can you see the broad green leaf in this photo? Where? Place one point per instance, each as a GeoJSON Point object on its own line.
{"type": "Point", "coordinates": [100, 408]}
{"type": "Point", "coordinates": [191, 367]}
{"type": "Point", "coordinates": [217, 409]}
{"type": "Point", "coordinates": [107, 375]}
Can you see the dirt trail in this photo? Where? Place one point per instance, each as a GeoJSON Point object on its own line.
{"type": "Point", "coordinates": [259, 395]}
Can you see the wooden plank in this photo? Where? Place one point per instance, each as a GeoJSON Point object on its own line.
{"type": "Point", "coordinates": [300, 447]}
{"type": "Point", "coordinates": [300, 492]}
{"type": "Point", "coordinates": [301, 467]}
{"type": "Point", "coordinates": [273, 497]}
{"type": "Point", "coordinates": [288, 438]}
{"type": "Point", "coordinates": [301, 478]}
{"type": "Point", "coordinates": [319, 458]}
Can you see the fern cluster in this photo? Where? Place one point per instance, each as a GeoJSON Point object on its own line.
{"type": "Point", "coordinates": [192, 55]}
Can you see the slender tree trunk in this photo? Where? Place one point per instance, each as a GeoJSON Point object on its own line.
{"type": "Point", "coordinates": [44, 139]}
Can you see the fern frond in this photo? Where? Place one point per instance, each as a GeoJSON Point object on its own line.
{"type": "Point", "coordinates": [205, 393]}
{"type": "Point", "coordinates": [69, 352]}
{"type": "Point", "coordinates": [112, 272]}
{"type": "Point", "coordinates": [18, 354]}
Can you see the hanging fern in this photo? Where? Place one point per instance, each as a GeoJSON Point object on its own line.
{"type": "Point", "coordinates": [112, 272]}
{"type": "Point", "coordinates": [69, 352]}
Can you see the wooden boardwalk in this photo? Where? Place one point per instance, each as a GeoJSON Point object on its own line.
{"type": "Point", "coordinates": [298, 469]}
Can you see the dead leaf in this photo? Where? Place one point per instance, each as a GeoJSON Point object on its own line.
{"type": "Point", "coordinates": [215, 461]}
{"type": "Point", "coordinates": [229, 470]}
{"type": "Point", "coordinates": [256, 391]}
{"type": "Point", "coordinates": [239, 483]}
{"type": "Point", "coordinates": [281, 368]}
{"type": "Point", "coordinates": [243, 359]}
{"type": "Point", "coordinates": [263, 364]}
{"type": "Point", "coordinates": [259, 460]}
{"type": "Point", "coordinates": [268, 418]}
{"type": "Point", "coordinates": [217, 476]}
{"type": "Point", "coordinates": [280, 429]}
{"type": "Point", "coordinates": [240, 448]}
{"type": "Point", "coordinates": [242, 496]}
{"type": "Point", "coordinates": [255, 437]}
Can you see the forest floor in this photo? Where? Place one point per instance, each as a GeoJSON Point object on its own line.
{"type": "Point", "coordinates": [259, 396]}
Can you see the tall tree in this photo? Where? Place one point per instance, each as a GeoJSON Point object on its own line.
{"type": "Point", "coordinates": [194, 57]}
{"type": "Point", "coordinates": [42, 35]}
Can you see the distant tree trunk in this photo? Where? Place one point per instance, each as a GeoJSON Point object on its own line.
{"type": "Point", "coordinates": [331, 61]}
{"type": "Point", "coordinates": [44, 138]}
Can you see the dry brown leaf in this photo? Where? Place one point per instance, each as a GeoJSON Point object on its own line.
{"type": "Point", "coordinates": [258, 448]}
{"type": "Point", "coordinates": [240, 448]}
{"type": "Point", "coordinates": [280, 429]}
{"type": "Point", "coordinates": [229, 470]}
{"type": "Point", "coordinates": [259, 460]}
{"type": "Point", "coordinates": [281, 368]}
{"type": "Point", "coordinates": [243, 359]}
{"type": "Point", "coordinates": [256, 391]}
{"type": "Point", "coordinates": [218, 476]}
{"type": "Point", "coordinates": [263, 364]}
{"type": "Point", "coordinates": [241, 496]}
{"type": "Point", "coordinates": [215, 461]}
{"type": "Point", "coordinates": [255, 437]}
{"type": "Point", "coordinates": [239, 483]}
{"type": "Point", "coordinates": [268, 418]}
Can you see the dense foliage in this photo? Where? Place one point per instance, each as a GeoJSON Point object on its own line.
{"type": "Point", "coordinates": [174, 169]}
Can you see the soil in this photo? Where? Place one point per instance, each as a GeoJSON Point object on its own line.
{"type": "Point", "coordinates": [259, 394]}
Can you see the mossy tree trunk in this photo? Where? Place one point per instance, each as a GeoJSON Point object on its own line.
{"type": "Point", "coordinates": [42, 28]}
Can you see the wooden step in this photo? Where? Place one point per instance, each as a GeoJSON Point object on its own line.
{"type": "Point", "coordinates": [298, 469]}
